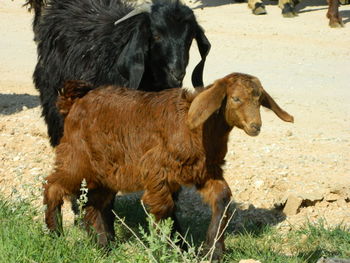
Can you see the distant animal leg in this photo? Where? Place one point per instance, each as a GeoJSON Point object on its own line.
{"type": "Point", "coordinates": [333, 15]}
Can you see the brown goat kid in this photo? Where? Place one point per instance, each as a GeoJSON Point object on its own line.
{"type": "Point", "coordinates": [127, 140]}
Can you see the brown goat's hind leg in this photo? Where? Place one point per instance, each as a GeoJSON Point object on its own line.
{"type": "Point", "coordinates": [217, 194]}
{"type": "Point", "coordinates": [99, 217]}
{"type": "Point", "coordinates": [53, 199]}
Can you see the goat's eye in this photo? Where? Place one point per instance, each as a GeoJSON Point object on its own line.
{"type": "Point", "coordinates": [236, 99]}
{"type": "Point", "coordinates": [156, 37]}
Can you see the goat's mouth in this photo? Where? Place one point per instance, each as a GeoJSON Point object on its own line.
{"type": "Point", "coordinates": [252, 130]}
{"type": "Point", "coordinates": [175, 83]}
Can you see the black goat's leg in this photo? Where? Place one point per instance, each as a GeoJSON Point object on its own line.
{"type": "Point", "coordinates": [99, 217]}
{"type": "Point", "coordinates": [176, 224]}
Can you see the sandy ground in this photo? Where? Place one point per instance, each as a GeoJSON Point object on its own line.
{"type": "Point", "coordinates": [301, 62]}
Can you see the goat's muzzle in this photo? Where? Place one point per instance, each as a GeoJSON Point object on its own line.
{"type": "Point", "coordinates": [253, 129]}
{"type": "Point", "coordinates": [175, 78]}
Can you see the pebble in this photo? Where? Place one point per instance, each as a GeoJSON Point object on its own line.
{"type": "Point", "coordinates": [292, 205]}
{"type": "Point", "coordinates": [289, 133]}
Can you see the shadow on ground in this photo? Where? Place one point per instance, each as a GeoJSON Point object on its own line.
{"type": "Point", "coordinates": [194, 216]}
{"type": "Point", "coordinates": [14, 103]}
{"type": "Point", "coordinates": [345, 15]}
{"type": "Point", "coordinates": [210, 3]}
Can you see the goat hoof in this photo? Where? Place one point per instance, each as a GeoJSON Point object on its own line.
{"type": "Point", "coordinates": [289, 15]}
{"type": "Point", "coordinates": [336, 24]}
{"type": "Point", "coordinates": [288, 11]}
{"type": "Point", "coordinates": [259, 9]}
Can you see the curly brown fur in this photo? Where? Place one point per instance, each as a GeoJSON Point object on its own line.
{"type": "Point", "coordinates": [126, 140]}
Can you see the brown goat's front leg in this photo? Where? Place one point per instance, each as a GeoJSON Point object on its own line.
{"type": "Point", "coordinates": [159, 201]}
{"type": "Point", "coordinates": [217, 194]}
{"type": "Point", "coordinates": [99, 217]}
{"type": "Point", "coordinates": [158, 191]}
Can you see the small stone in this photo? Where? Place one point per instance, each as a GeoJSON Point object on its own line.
{"type": "Point", "coordinates": [244, 196]}
{"type": "Point", "coordinates": [315, 195]}
{"type": "Point", "coordinates": [249, 261]}
{"type": "Point", "coordinates": [258, 183]}
{"type": "Point", "coordinates": [331, 197]}
{"type": "Point", "coordinates": [322, 204]}
{"type": "Point", "coordinates": [341, 203]}
{"type": "Point", "coordinates": [289, 133]}
{"type": "Point", "coordinates": [292, 205]}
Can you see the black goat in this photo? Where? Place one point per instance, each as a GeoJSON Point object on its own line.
{"type": "Point", "coordinates": [111, 42]}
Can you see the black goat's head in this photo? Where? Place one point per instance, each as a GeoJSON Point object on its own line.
{"type": "Point", "coordinates": [161, 45]}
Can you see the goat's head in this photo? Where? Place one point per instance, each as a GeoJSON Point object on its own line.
{"type": "Point", "coordinates": [163, 43]}
{"type": "Point", "coordinates": [239, 96]}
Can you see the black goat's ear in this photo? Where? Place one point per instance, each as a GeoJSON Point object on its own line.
{"type": "Point", "coordinates": [204, 48]}
{"type": "Point", "coordinates": [268, 102]}
{"type": "Point", "coordinates": [131, 61]}
{"type": "Point", "coordinates": [206, 103]}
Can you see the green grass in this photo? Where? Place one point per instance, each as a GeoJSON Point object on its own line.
{"type": "Point", "coordinates": [24, 239]}
{"type": "Point", "coordinates": [304, 245]}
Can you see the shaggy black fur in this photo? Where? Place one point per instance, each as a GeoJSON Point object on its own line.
{"type": "Point", "coordinates": [78, 40]}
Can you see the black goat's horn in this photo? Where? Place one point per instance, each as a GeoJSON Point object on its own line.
{"type": "Point", "coordinates": [143, 8]}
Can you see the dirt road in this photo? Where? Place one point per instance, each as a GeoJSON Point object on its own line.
{"type": "Point", "coordinates": [301, 62]}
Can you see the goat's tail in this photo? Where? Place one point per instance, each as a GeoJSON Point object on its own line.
{"type": "Point", "coordinates": [37, 6]}
{"type": "Point", "coordinates": [72, 90]}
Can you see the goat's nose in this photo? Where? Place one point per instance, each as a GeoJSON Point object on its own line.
{"type": "Point", "coordinates": [255, 126]}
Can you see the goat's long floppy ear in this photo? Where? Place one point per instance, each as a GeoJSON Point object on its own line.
{"type": "Point", "coordinates": [131, 61]}
{"type": "Point", "coordinates": [268, 102]}
{"type": "Point", "coordinates": [204, 48]}
{"type": "Point", "coordinates": [206, 103]}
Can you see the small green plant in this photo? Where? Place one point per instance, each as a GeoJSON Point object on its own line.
{"type": "Point", "coordinates": [82, 201]}
{"type": "Point", "coordinates": [162, 245]}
